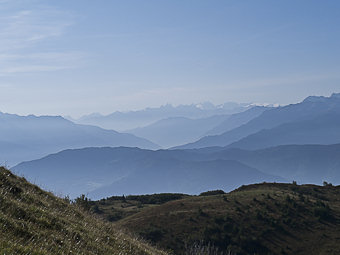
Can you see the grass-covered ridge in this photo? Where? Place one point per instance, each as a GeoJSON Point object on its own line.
{"type": "Point", "coordinates": [267, 218]}
{"type": "Point", "coordinates": [118, 207]}
{"type": "Point", "coordinates": [33, 221]}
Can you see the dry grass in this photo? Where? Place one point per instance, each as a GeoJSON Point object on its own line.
{"type": "Point", "coordinates": [255, 219]}
{"type": "Point", "coordinates": [33, 221]}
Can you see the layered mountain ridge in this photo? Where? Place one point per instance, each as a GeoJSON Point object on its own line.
{"type": "Point", "coordinates": [101, 172]}
{"type": "Point", "coordinates": [30, 137]}
{"type": "Point", "coordinates": [312, 108]}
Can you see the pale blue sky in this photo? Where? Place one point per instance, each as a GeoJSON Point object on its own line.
{"type": "Point", "coordinates": [73, 57]}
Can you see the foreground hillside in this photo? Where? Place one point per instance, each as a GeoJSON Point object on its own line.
{"type": "Point", "coordinates": [36, 222]}
{"type": "Point", "coordinates": [254, 219]}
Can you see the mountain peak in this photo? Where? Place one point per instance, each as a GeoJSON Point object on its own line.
{"type": "Point", "coordinates": [335, 95]}
{"type": "Point", "coordinates": [315, 99]}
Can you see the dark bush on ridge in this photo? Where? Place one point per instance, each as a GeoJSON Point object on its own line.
{"type": "Point", "coordinates": [212, 192]}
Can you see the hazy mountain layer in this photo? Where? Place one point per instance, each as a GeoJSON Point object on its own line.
{"type": "Point", "coordinates": [173, 175]}
{"type": "Point", "coordinates": [110, 171]}
{"type": "Point", "coordinates": [103, 172]}
{"type": "Point", "coordinates": [133, 119]}
{"type": "Point", "coordinates": [324, 129]}
{"type": "Point", "coordinates": [178, 130]}
{"type": "Point", "coordinates": [311, 108]}
{"type": "Point", "coordinates": [302, 163]}
{"type": "Point", "coordinates": [237, 119]}
{"type": "Point", "coordinates": [30, 137]}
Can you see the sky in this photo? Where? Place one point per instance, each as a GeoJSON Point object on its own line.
{"type": "Point", "coordinates": [74, 57]}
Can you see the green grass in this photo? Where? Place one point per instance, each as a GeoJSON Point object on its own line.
{"type": "Point", "coordinates": [254, 219]}
{"type": "Point", "coordinates": [33, 221]}
{"type": "Point", "coordinates": [118, 207]}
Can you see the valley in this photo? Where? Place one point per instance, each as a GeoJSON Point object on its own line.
{"type": "Point", "coordinates": [169, 127]}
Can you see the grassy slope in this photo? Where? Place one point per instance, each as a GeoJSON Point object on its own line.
{"type": "Point", "coordinates": [118, 207]}
{"type": "Point", "coordinates": [33, 221]}
{"type": "Point", "coordinates": [255, 219]}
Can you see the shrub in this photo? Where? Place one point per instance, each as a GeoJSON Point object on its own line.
{"type": "Point", "coordinates": [327, 184]}
{"type": "Point", "coordinates": [83, 202]}
{"type": "Point", "coordinates": [212, 192]}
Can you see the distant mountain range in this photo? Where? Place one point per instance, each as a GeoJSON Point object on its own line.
{"type": "Point", "coordinates": [292, 142]}
{"type": "Point", "coordinates": [30, 137]}
{"type": "Point", "coordinates": [315, 120]}
{"type": "Point", "coordinates": [101, 172]}
{"type": "Point", "coordinates": [302, 163]}
{"type": "Point", "coordinates": [178, 130]}
{"type": "Point", "coordinates": [324, 129]}
{"type": "Point", "coordinates": [123, 121]}
{"type": "Point", "coordinates": [192, 177]}
{"type": "Point", "coordinates": [181, 130]}
{"type": "Point", "coordinates": [237, 119]}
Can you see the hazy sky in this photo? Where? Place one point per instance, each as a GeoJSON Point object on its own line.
{"type": "Point", "coordinates": [74, 57]}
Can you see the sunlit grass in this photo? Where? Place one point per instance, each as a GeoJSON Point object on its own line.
{"type": "Point", "coordinates": [33, 221]}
